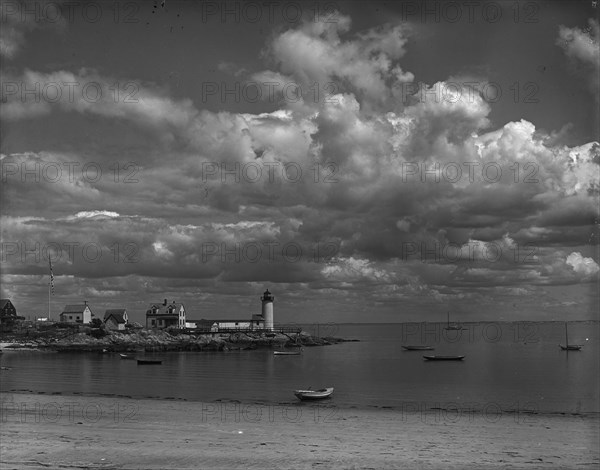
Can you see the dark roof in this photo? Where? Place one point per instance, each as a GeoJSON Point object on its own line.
{"type": "Point", "coordinates": [3, 303]}
{"type": "Point", "coordinates": [163, 309]}
{"type": "Point", "coordinates": [257, 317]}
{"type": "Point", "coordinates": [111, 311]}
{"type": "Point", "coordinates": [75, 308]}
{"type": "Point", "coordinates": [119, 317]}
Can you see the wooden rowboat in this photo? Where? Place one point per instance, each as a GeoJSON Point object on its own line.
{"type": "Point", "coordinates": [444, 358]}
{"type": "Point", "coordinates": [417, 348]}
{"type": "Point", "coordinates": [314, 394]}
{"type": "Point", "coordinates": [148, 361]}
{"type": "Point", "coordinates": [126, 356]}
{"type": "Point", "coordinates": [287, 353]}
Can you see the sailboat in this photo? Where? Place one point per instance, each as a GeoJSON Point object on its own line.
{"type": "Point", "coordinates": [567, 346]}
{"type": "Point", "coordinates": [453, 326]}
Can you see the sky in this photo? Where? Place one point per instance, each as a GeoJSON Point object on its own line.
{"type": "Point", "coordinates": [364, 161]}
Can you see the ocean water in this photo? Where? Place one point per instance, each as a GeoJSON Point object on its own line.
{"type": "Point", "coordinates": [508, 366]}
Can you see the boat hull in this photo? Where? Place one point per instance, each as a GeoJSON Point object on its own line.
{"type": "Point", "coordinates": [571, 347]}
{"type": "Point", "coordinates": [286, 353]}
{"type": "Point", "coordinates": [147, 362]}
{"type": "Point", "coordinates": [417, 348]}
{"type": "Point", "coordinates": [444, 358]}
{"type": "Point", "coordinates": [314, 394]}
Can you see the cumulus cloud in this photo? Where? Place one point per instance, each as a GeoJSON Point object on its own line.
{"type": "Point", "coordinates": [582, 265]}
{"type": "Point", "coordinates": [316, 54]}
{"type": "Point", "coordinates": [20, 18]}
{"type": "Point", "coordinates": [583, 48]}
{"type": "Point", "coordinates": [357, 181]}
{"type": "Point", "coordinates": [581, 44]}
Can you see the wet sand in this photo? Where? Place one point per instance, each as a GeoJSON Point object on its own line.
{"type": "Point", "coordinates": [57, 431]}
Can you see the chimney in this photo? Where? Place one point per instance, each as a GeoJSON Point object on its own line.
{"type": "Point", "coordinates": [165, 304]}
{"type": "Point", "coordinates": [85, 303]}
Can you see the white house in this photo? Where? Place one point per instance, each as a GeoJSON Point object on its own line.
{"type": "Point", "coordinates": [257, 322]}
{"type": "Point", "coordinates": [80, 313]}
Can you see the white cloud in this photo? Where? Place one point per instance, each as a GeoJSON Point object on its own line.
{"type": "Point", "coordinates": [314, 54]}
{"type": "Point", "coordinates": [582, 265]}
{"type": "Point", "coordinates": [581, 44]}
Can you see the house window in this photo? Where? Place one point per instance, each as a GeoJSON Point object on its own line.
{"type": "Point", "coordinates": [70, 317]}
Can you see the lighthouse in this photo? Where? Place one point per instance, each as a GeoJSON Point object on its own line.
{"type": "Point", "coordinates": [267, 309]}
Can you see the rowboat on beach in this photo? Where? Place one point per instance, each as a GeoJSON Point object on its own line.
{"type": "Point", "coordinates": [314, 394]}
{"type": "Point", "coordinates": [444, 358]}
{"type": "Point", "coordinates": [567, 346]}
{"type": "Point", "coordinates": [148, 361]}
{"type": "Point", "coordinates": [287, 353]}
{"type": "Point", "coordinates": [417, 348]}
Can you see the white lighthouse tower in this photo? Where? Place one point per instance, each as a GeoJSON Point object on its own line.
{"type": "Point", "coordinates": [267, 309]}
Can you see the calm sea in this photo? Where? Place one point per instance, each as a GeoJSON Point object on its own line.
{"type": "Point", "coordinates": [513, 366]}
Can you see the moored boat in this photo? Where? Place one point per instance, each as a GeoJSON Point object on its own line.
{"type": "Point", "coordinates": [444, 358]}
{"type": "Point", "coordinates": [571, 347]}
{"type": "Point", "coordinates": [126, 356]}
{"type": "Point", "coordinates": [454, 326]}
{"type": "Point", "coordinates": [417, 348]}
{"type": "Point", "coordinates": [567, 346]}
{"type": "Point", "coordinates": [313, 394]}
{"type": "Point", "coordinates": [148, 361]}
{"type": "Point", "coordinates": [287, 353]}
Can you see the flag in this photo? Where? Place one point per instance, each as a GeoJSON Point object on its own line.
{"type": "Point", "coordinates": [51, 276]}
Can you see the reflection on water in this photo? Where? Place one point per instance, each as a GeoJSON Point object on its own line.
{"type": "Point", "coordinates": [508, 365]}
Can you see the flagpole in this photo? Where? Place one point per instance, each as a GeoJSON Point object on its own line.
{"type": "Point", "coordinates": [50, 286]}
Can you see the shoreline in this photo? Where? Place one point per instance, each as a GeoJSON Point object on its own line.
{"type": "Point", "coordinates": [163, 341]}
{"type": "Point", "coordinates": [124, 433]}
{"type": "Point", "coordinates": [455, 412]}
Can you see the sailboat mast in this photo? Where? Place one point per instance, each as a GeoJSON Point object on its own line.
{"type": "Point", "coordinates": [566, 335]}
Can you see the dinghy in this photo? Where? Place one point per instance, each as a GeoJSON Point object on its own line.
{"type": "Point", "coordinates": [444, 358]}
{"type": "Point", "coordinates": [313, 394]}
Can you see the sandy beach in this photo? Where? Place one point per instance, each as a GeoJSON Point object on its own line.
{"type": "Point", "coordinates": [57, 431]}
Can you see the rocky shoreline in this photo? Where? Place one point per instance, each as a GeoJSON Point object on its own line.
{"type": "Point", "coordinates": [160, 340]}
